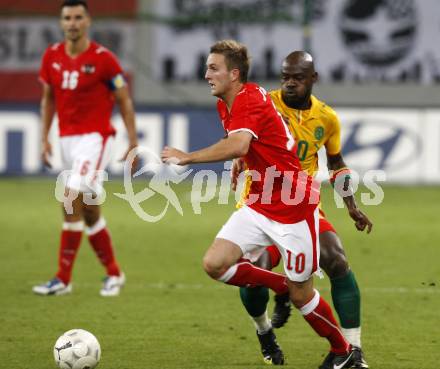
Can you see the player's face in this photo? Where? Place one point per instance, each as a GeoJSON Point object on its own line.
{"type": "Point", "coordinates": [218, 75]}
{"type": "Point", "coordinates": [75, 22]}
{"type": "Point", "coordinates": [296, 83]}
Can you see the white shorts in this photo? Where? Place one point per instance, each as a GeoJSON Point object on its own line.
{"type": "Point", "coordinates": [85, 157]}
{"type": "Point", "coordinates": [298, 243]}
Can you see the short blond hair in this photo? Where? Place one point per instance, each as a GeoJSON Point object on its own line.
{"type": "Point", "coordinates": [236, 56]}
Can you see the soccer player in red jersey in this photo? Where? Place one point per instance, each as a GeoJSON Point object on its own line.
{"type": "Point", "coordinates": [81, 82]}
{"type": "Point", "coordinates": [282, 205]}
{"type": "Point", "coordinates": [315, 125]}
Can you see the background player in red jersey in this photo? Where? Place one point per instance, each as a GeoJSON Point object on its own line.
{"type": "Point", "coordinates": [256, 132]}
{"type": "Point", "coordinates": [81, 81]}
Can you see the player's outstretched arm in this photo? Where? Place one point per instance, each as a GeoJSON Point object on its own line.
{"type": "Point", "coordinates": [340, 172]}
{"type": "Point", "coordinates": [127, 112]}
{"type": "Point", "coordinates": [234, 146]}
{"type": "Point", "coordinates": [47, 111]}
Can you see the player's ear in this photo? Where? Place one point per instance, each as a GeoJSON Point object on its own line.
{"type": "Point", "coordinates": [235, 74]}
{"type": "Point", "coordinates": [315, 77]}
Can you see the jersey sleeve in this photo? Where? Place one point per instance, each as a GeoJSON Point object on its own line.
{"type": "Point", "coordinates": [112, 71]}
{"type": "Point", "coordinates": [245, 114]}
{"type": "Point", "coordinates": [44, 75]}
{"type": "Point", "coordinates": [333, 144]}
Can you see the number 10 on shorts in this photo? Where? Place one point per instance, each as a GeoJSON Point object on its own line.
{"type": "Point", "coordinates": [300, 262]}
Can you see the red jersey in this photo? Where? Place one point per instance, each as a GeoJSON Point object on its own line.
{"type": "Point", "coordinates": [283, 192]}
{"type": "Point", "coordinates": [82, 87]}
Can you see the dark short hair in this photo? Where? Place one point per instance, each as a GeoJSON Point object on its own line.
{"type": "Point", "coordinates": [75, 3]}
{"type": "Point", "coordinates": [236, 56]}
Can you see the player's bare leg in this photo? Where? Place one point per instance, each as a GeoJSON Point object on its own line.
{"type": "Point", "coordinates": [345, 292]}
{"type": "Point", "coordinates": [223, 262]}
{"type": "Point", "coordinates": [318, 314]}
{"type": "Point", "coordinates": [72, 206]}
{"type": "Point", "coordinates": [92, 213]}
{"type": "Point", "coordinates": [71, 233]}
{"type": "Point", "coordinates": [220, 256]}
{"type": "Point", "coordinates": [301, 292]}
{"type": "Point", "coordinates": [100, 240]}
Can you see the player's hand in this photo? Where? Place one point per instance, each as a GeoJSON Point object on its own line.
{"type": "Point", "coordinates": [46, 152]}
{"type": "Point", "coordinates": [361, 221]}
{"type": "Point", "coordinates": [135, 162]}
{"type": "Point", "coordinates": [238, 166]}
{"type": "Point", "coordinates": [170, 155]}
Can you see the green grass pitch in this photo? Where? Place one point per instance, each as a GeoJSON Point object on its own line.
{"type": "Point", "coordinates": [172, 316]}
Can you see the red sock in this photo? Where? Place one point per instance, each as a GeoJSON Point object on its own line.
{"type": "Point", "coordinates": [69, 245]}
{"type": "Point", "coordinates": [248, 275]}
{"type": "Point", "coordinates": [100, 239]}
{"type": "Point", "coordinates": [320, 316]}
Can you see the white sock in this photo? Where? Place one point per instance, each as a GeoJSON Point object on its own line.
{"type": "Point", "coordinates": [352, 335]}
{"type": "Point", "coordinates": [262, 323]}
{"type": "Point", "coordinates": [73, 226]}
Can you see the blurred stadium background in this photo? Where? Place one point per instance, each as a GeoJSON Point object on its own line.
{"type": "Point", "coordinates": [378, 62]}
{"type": "Point", "coordinates": [379, 66]}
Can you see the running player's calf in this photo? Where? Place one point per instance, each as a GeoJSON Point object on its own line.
{"type": "Point", "coordinates": [345, 293]}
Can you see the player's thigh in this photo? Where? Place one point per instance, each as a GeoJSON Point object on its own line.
{"type": "Point", "coordinates": [301, 292]}
{"type": "Point", "coordinates": [72, 210]}
{"type": "Point", "coordinates": [333, 259]}
{"type": "Point", "coordinates": [244, 230]}
{"type": "Point", "coordinates": [91, 213]}
{"type": "Point", "coordinates": [299, 247]}
{"type": "Point", "coordinates": [221, 255]}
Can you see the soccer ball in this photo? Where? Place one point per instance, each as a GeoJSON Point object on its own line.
{"type": "Point", "coordinates": [77, 349]}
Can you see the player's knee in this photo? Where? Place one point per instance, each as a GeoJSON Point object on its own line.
{"type": "Point", "coordinates": [336, 266]}
{"type": "Point", "coordinates": [213, 267]}
{"type": "Point", "coordinates": [91, 215]}
{"type": "Point", "coordinates": [88, 219]}
{"type": "Point", "coordinates": [298, 303]}
{"type": "Point", "coordinates": [298, 299]}
{"type": "Point", "coordinates": [333, 259]}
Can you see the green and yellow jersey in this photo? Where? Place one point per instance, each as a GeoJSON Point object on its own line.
{"type": "Point", "coordinates": [312, 129]}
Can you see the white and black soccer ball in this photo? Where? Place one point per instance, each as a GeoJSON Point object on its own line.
{"type": "Point", "coordinates": [77, 349]}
